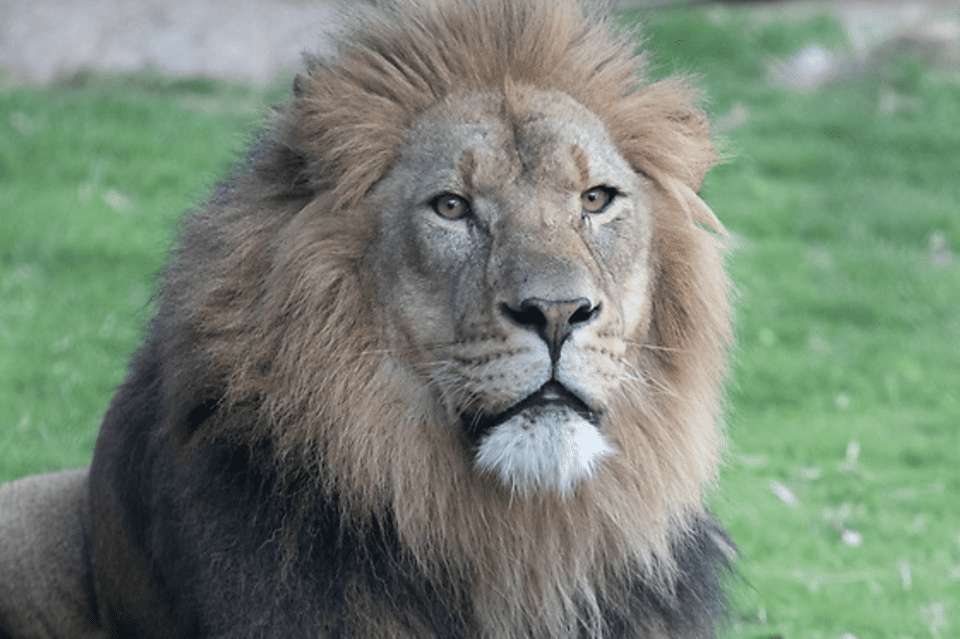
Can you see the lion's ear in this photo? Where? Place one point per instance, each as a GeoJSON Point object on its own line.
{"type": "Point", "coordinates": [699, 151]}
{"type": "Point", "coordinates": [665, 135]}
{"type": "Point", "coordinates": [699, 155]}
{"type": "Point", "coordinates": [704, 215]}
{"type": "Point", "coordinates": [660, 125]}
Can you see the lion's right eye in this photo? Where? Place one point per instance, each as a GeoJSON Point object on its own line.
{"type": "Point", "coordinates": [450, 206]}
{"type": "Point", "coordinates": [597, 199]}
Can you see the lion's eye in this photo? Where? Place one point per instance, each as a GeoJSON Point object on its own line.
{"type": "Point", "coordinates": [450, 206]}
{"type": "Point", "coordinates": [597, 199]}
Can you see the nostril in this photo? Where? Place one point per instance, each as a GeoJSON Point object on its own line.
{"type": "Point", "coordinates": [584, 313]}
{"type": "Point", "coordinates": [552, 320]}
{"type": "Point", "coordinates": [529, 314]}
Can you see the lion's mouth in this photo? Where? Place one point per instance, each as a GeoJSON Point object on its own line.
{"type": "Point", "coordinates": [551, 395]}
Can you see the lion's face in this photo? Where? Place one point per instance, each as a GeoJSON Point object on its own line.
{"type": "Point", "coordinates": [512, 264]}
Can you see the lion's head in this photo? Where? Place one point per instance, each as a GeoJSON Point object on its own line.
{"type": "Point", "coordinates": [466, 284]}
{"type": "Point", "coordinates": [512, 266]}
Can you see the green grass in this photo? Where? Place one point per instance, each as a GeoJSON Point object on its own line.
{"type": "Point", "coordinates": [844, 411]}
{"type": "Point", "coordinates": [93, 178]}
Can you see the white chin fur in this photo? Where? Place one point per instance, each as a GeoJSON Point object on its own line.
{"type": "Point", "coordinates": [542, 449]}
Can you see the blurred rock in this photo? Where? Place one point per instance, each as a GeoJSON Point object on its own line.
{"type": "Point", "coordinates": [809, 69]}
{"type": "Point", "coordinates": [876, 31]}
{"type": "Point", "coordinates": [938, 250]}
{"type": "Point", "coordinates": [873, 27]}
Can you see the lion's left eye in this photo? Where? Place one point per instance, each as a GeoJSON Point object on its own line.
{"type": "Point", "coordinates": [451, 206]}
{"type": "Point", "coordinates": [597, 199]}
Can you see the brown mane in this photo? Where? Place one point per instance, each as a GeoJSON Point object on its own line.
{"type": "Point", "coordinates": [268, 324]}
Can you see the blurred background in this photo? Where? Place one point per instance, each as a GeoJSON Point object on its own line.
{"type": "Point", "coordinates": [254, 40]}
{"type": "Point", "coordinates": [840, 187]}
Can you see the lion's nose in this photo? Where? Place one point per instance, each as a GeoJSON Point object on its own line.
{"type": "Point", "coordinates": [552, 320]}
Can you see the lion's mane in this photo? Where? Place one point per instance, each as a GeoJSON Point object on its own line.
{"type": "Point", "coordinates": [266, 398]}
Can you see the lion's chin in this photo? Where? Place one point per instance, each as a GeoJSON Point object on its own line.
{"type": "Point", "coordinates": [545, 447]}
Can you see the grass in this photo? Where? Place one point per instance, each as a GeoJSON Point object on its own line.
{"type": "Point", "coordinates": [842, 487]}
{"type": "Point", "coordinates": [93, 177]}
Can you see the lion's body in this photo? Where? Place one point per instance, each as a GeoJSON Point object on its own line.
{"type": "Point", "coordinates": [442, 360]}
{"type": "Point", "coordinates": [45, 586]}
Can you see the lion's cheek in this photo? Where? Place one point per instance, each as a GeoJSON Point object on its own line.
{"type": "Point", "coordinates": [414, 285]}
{"type": "Point", "coordinates": [418, 323]}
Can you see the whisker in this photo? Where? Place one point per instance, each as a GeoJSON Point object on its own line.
{"type": "Point", "coordinates": [396, 350]}
{"type": "Point", "coordinates": [654, 347]}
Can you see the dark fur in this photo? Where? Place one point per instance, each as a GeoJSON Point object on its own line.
{"type": "Point", "coordinates": [212, 526]}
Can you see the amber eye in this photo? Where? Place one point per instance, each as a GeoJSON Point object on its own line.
{"type": "Point", "coordinates": [597, 199]}
{"type": "Point", "coordinates": [450, 206]}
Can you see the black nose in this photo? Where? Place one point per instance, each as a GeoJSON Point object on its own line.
{"type": "Point", "coordinates": [552, 320]}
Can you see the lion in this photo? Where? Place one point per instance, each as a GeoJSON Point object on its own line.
{"type": "Point", "coordinates": [443, 358]}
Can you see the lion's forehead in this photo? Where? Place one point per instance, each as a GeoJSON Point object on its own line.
{"type": "Point", "coordinates": [485, 141]}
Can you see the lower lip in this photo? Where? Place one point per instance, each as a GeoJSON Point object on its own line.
{"type": "Point", "coordinates": [476, 426]}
